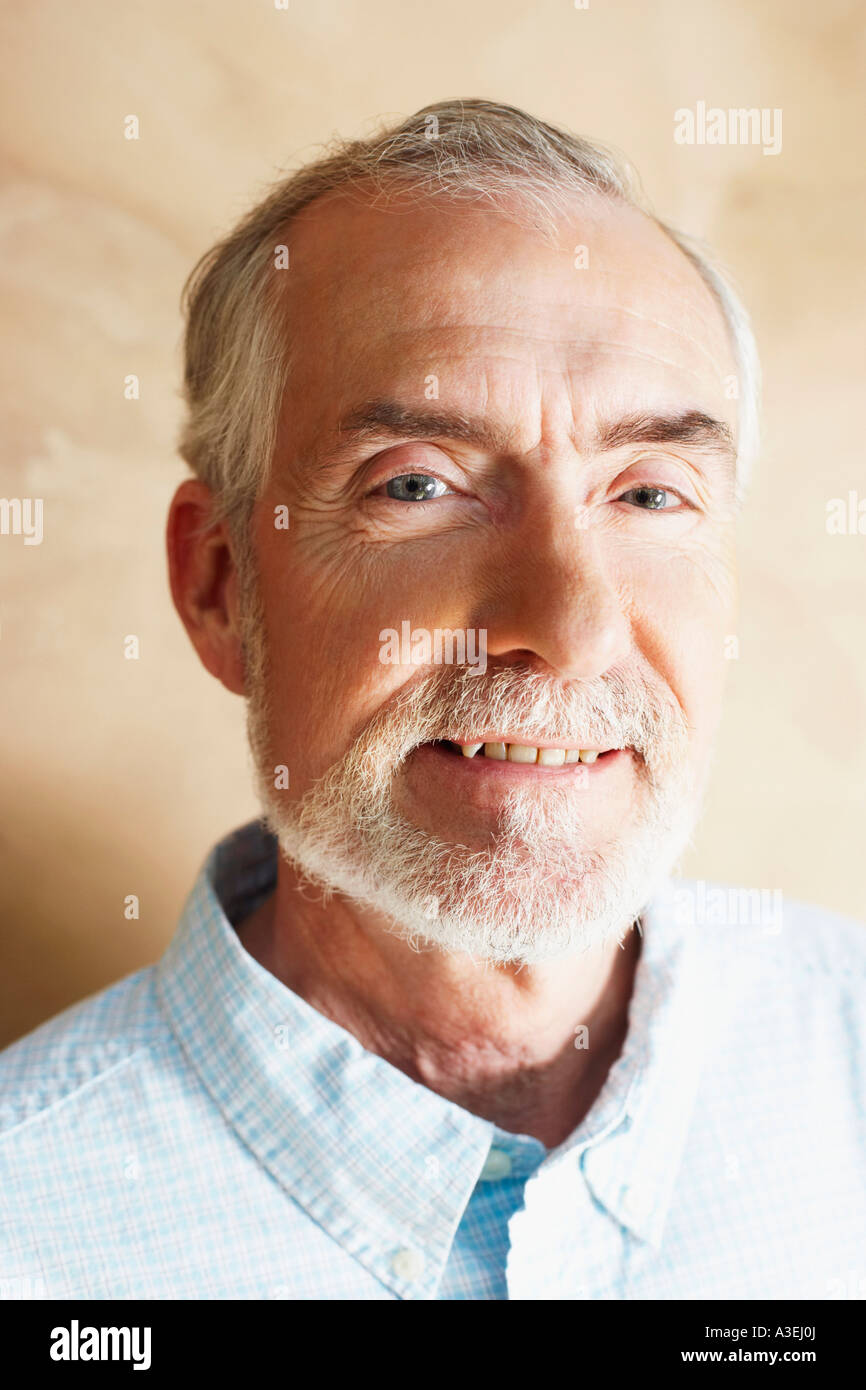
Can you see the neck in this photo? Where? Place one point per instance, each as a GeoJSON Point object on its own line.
{"type": "Point", "coordinates": [505, 1042]}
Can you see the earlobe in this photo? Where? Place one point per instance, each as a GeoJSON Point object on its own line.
{"type": "Point", "coordinates": [203, 582]}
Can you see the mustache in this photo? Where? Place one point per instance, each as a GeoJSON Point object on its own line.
{"type": "Point", "coordinates": [617, 710]}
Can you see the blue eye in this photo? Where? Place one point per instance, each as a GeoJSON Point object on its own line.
{"type": "Point", "coordinates": [651, 499]}
{"type": "Point", "coordinates": [415, 487]}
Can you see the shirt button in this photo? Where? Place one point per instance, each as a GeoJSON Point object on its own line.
{"type": "Point", "coordinates": [408, 1264]}
{"type": "Point", "coordinates": [497, 1165]}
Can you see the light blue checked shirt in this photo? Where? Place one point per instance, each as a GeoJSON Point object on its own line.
{"type": "Point", "coordinates": [198, 1131]}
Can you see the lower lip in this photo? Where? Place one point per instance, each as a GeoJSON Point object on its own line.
{"type": "Point", "coordinates": [479, 766]}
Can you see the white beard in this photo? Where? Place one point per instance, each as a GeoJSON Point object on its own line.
{"type": "Point", "coordinates": [538, 891]}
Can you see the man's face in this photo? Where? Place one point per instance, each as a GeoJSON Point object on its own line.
{"type": "Point", "coordinates": [548, 513]}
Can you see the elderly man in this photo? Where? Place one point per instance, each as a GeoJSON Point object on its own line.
{"type": "Point", "coordinates": [470, 431]}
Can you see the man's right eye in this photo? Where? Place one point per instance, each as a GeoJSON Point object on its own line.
{"type": "Point", "coordinates": [415, 487]}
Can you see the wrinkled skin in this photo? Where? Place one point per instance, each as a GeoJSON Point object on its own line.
{"type": "Point", "coordinates": [539, 541]}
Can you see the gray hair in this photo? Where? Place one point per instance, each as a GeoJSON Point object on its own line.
{"type": "Point", "coordinates": [238, 347]}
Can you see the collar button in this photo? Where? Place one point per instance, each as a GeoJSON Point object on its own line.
{"type": "Point", "coordinates": [497, 1165]}
{"type": "Point", "coordinates": [408, 1264]}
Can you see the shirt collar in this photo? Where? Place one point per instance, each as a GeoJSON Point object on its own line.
{"type": "Point", "coordinates": [380, 1162]}
{"type": "Point", "coordinates": [631, 1143]}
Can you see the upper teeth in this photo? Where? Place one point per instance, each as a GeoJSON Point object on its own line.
{"type": "Point", "coordinates": [525, 753]}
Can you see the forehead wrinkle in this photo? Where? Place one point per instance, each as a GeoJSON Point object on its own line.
{"type": "Point", "coordinates": [669, 328]}
{"type": "Point", "coordinates": [578, 349]}
{"type": "Point", "coordinates": [573, 344]}
{"type": "Point", "coordinates": [474, 298]}
{"type": "Point", "coordinates": [642, 354]}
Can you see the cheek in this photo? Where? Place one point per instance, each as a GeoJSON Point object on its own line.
{"type": "Point", "coordinates": [683, 613]}
{"type": "Point", "coordinates": [324, 626]}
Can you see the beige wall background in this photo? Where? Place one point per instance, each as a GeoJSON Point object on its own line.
{"type": "Point", "coordinates": [119, 774]}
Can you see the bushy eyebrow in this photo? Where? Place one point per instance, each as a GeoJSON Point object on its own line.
{"type": "Point", "coordinates": [692, 428]}
{"type": "Point", "coordinates": [381, 418]}
{"type": "Point", "coordinates": [384, 417]}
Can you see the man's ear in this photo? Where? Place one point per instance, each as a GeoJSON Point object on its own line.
{"type": "Point", "coordinates": [204, 582]}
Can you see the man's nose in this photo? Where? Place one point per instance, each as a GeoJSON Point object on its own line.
{"type": "Point", "coordinates": [553, 601]}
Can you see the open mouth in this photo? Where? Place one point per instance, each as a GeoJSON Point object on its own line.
{"type": "Point", "coordinates": [526, 753]}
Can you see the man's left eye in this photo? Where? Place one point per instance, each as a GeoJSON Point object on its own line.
{"type": "Point", "coordinates": [415, 487]}
{"type": "Point", "coordinates": [652, 499]}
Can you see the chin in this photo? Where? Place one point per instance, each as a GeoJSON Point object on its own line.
{"type": "Point", "coordinates": [507, 904]}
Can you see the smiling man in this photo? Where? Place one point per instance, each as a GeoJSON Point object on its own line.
{"type": "Point", "coordinates": [443, 1025]}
